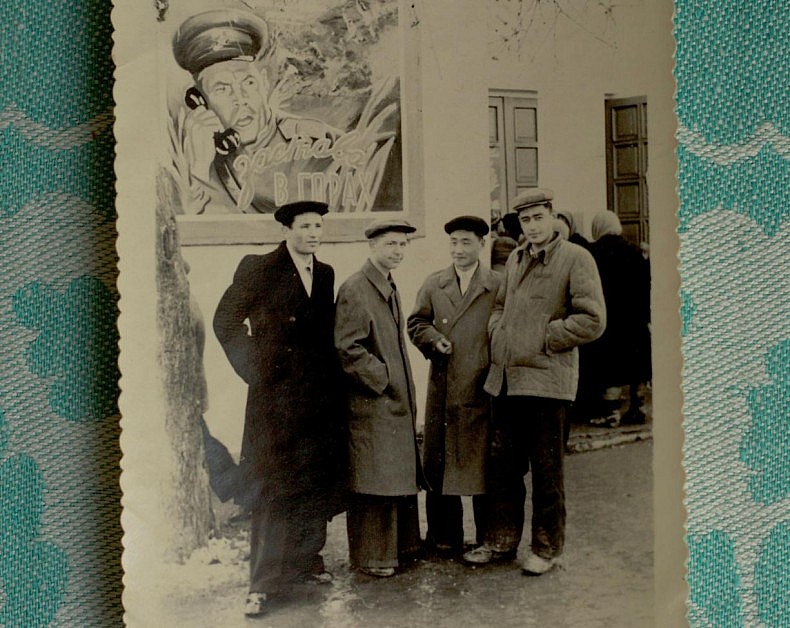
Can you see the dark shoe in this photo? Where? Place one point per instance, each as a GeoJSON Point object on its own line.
{"type": "Point", "coordinates": [485, 554]}
{"type": "Point", "coordinates": [317, 578]}
{"type": "Point", "coordinates": [633, 417]}
{"type": "Point", "coordinates": [535, 565]}
{"type": "Point", "coordinates": [378, 572]}
{"type": "Point", "coordinates": [255, 605]}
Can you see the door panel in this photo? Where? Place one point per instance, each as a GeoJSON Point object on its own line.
{"type": "Point", "coordinates": [626, 165]}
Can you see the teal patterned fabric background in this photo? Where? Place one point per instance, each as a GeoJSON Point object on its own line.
{"type": "Point", "coordinates": [59, 496]}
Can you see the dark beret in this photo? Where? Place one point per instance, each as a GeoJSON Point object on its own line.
{"type": "Point", "coordinates": [384, 226]}
{"type": "Point", "coordinates": [286, 214]}
{"type": "Point", "coordinates": [532, 197]}
{"type": "Point", "coordinates": [476, 225]}
{"type": "Point", "coordinates": [215, 36]}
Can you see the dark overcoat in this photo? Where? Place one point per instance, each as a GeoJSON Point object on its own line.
{"type": "Point", "coordinates": [383, 456]}
{"type": "Point", "coordinates": [457, 414]}
{"type": "Point", "coordinates": [622, 354]}
{"type": "Point", "coordinates": [293, 439]}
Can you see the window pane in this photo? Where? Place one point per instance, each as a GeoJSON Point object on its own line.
{"type": "Point", "coordinates": [526, 124]}
{"type": "Point", "coordinates": [527, 166]}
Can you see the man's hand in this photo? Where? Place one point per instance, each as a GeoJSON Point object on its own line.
{"type": "Point", "coordinates": [200, 126]}
{"type": "Point", "coordinates": [443, 346]}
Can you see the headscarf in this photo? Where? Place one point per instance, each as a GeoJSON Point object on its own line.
{"type": "Point", "coordinates": [567, 216]}
{"type": "Point", "coordinates": [605, 223]}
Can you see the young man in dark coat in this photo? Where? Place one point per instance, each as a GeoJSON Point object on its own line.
{"type": "Point", "coordinates": [291, 446]}
{"type": "Point", "coordinates": [383, 527]}
{"type": "Point", "coordinates": [449, 326]}
{"type": "Point", "coordinates": [550, 302]}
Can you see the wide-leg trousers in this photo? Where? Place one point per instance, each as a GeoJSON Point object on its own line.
{"type": "Point", "coordinates": [286, 538]}
{"type": "Point", "coordinates": [382, 530]}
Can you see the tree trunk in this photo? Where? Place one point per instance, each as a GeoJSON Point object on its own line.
{"type": "Point", "coordinates": [186, 492]}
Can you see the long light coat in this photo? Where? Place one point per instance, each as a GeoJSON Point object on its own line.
{"type": "Point", "coordinates": [457, 414]}
{"type": "Point", "coordinates": [383, 457]}
{"type": "Point", "coordinates": [545, 308]}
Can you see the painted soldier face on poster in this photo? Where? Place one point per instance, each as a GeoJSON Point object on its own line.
{"type": "Point", "coordinates": [271, 103]}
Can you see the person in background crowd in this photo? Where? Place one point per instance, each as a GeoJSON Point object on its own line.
{"type": "Point", "coordinates": [549, 302]}
{"type": "Point", "coordinates": [292, 448]}
{"type": "Point", "coordinates": [501, 248]}
{"type": "Point", "coordinates": [448, 325]}
{"type": "Point", "coordinates": [622, 355]}
{"type": "Point", "coordinates": [573, 235]}
{"type": "Point", "coordinates": [383, 524]}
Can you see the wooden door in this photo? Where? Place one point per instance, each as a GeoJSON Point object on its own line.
{"type": "Point", "coordinates": [626, 165]}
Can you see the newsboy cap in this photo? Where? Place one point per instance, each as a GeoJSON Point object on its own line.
{"type": "Point", "coordinates": [286, 214]}
{"type": "Point", "coordinates": [384, 226]}
{"type": "Point", "coordinates": [532, 197]}
{"type": "Point", "coordinates": [476, 225]}
{"type": "Point", "coordinates": [215, 36]}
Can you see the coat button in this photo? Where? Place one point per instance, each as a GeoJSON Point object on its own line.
{"type": "Point", "coordinates": [444, 320]}
{"type": "Point", "coordinates": [292, 319]}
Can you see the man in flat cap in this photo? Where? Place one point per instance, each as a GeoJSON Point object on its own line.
{"type": "Point", "coordinates": [240, 148]}
{"type": "Point", "coordinates": [384, 466]}
{"type": "Point", "coordinates": [449, 326]}
{"type": "Point", "coordinates": [293, 446]}
{"type": "Point", "coordinates": [548, 304]}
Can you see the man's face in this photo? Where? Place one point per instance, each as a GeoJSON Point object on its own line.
{"type": "Point", "coordinates": [234, 91]}
{"type": "Point", "coordinates": [388, 249]}
{"type": "Point", "coordinates": [304, 235]}
{"type": "Point", "coordinates": [537, 223]}
{"type": "Point", "coordinates": [465, 247]}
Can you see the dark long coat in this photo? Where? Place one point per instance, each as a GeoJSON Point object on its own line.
{"type": "Point", "coordinates": [293, 439]}
{"type": "Point", "coordinates": [622, 354]}
{"type": "Point", "coordinates": [457, 415]}
{"type": "Point", "coordinates": [383, 456]}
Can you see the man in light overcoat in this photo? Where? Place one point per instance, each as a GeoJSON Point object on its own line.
{"type": "Point", "coordinates": [449, 326]}
{"type": "Point", "coordinates": [383, 527]}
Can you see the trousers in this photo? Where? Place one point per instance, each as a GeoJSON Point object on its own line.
{"type": "Point", "coordinates": [286, 539]}
{"type": "Point", "coordinates": [528, 436]}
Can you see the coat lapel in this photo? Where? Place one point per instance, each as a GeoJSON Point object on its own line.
{"type": "Point", "coordinates": [295, 288]}
{"type": "Point", "coordinates": [381, 284]}
{"type": "Point", "coordinates": [448, 284]}
{"type": "Point", "coordinates": [481, 282]}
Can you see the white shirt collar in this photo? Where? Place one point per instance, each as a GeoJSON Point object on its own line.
{"type": "Point", "coordinates": [468, 272]}
{"type": "Point", "coordinates": [300, 260]}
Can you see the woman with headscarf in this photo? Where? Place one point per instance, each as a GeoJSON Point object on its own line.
{"type": "Point", "coordinates": [573, 235]}
{"type": "Point", "coordinates": [622, 354]}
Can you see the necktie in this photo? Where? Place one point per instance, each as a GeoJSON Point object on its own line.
{"type": "Point", "coordinates": [394, 305]}
{"type": "Point", "coordinates": [309, 280]}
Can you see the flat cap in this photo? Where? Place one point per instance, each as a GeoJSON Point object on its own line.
{"type": "Point", "coordinates": [476, 225]}
{"type": "Point", "coordinates": [215, 36]}
{"type": "Point", "coordinates": [286, 214]}
{"type": "Point", "coordinates": [383, 226]}
{"type": "Point", "coordinates": [533, 196]}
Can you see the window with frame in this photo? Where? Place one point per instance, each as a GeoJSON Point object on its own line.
{"type": "Point", "coordinates": [513, 147]}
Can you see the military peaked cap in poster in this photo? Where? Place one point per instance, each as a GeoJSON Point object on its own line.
{"type": "Point", "coordinates": [216, 36]}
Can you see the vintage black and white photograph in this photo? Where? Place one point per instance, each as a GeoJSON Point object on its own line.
{"type": "Point", "coordinates": [391, 279]}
